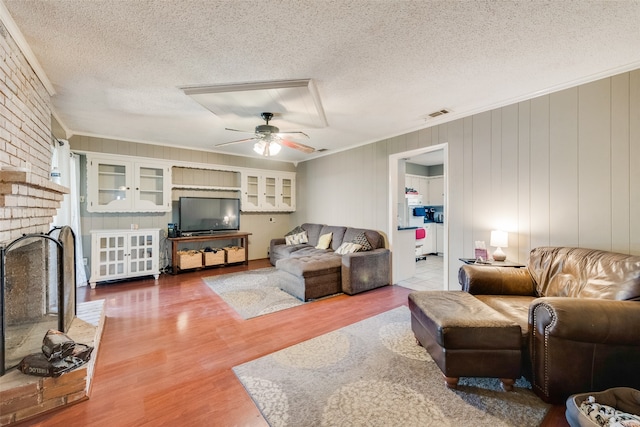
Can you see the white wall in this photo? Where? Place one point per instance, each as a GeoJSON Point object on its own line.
{"type": "Point", "coordinates": [560, 169]}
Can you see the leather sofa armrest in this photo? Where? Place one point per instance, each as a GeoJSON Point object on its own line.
{"type": "Point", "coordinates": [588, 320]}
{"type": "Point", "coordinates": [362, 271]}
{"type": "Point", "coordinates": [578, 344]}
{"type": "Point", "coordinates": [488, 280]}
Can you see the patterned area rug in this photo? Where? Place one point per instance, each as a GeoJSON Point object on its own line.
{"type": "Point", "coordinates": [373, 373]}
{"type": "Point", "coordinates": [254, 293]}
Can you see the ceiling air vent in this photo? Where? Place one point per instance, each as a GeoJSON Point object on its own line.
{"type": "Point", "coordinates": [439, 113]}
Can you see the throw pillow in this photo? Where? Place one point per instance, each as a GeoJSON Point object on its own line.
{"type": "Point", "coordinates": [296, 230]}
{"type": "Point", "coordinates": [362, 240]}
{"type": "Point", "coordinates": [348, 248]}
{"type": "Point", "coordinates": [324, 241]}
{"type": "Point", "coordinates": [295, 239]}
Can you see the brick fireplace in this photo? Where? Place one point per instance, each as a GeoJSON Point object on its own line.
{"type": "Point", "coordinates": [28, 204]}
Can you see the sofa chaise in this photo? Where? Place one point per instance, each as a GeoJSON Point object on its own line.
{"type": "Point", "coordinates": [324, 260]}
{"type": "Point", "coordinates": [578, 312]}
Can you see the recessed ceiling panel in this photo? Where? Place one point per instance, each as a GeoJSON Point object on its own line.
{"type": "Point", "coordinates": [295, 102]}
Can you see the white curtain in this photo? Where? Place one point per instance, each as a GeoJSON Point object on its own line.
{"type": "Point", "coordinates": [69, 211]}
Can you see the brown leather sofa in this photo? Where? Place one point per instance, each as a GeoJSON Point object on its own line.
{"type": "Point", "coordinates": [579, 313]}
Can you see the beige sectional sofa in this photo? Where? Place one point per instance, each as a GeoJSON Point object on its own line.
{"type": "Point", "coordinates": [319, 271]}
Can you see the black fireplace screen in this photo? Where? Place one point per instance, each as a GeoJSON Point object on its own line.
{"type": "Point", "coordinates": [38, 292]}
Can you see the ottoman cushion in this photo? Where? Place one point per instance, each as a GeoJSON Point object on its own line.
{"type": "Point", "coordinates": [457, 319]}
{"type": "Point", "coordinates": [464, 336]}
{"type": "Point", "coordinates": [311, 265]}
{"type": "Point", "coordinates": [317, 275]}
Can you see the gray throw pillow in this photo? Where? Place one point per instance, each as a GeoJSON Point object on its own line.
{"type": "Point", "coordinates": [296, 230]}
{"type": "Point", "coordinates": [361, 239]}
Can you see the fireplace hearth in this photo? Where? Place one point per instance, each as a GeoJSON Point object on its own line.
{"type": "Point", "coordinates": [38, 290]}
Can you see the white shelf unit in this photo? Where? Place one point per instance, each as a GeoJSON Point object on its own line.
{"type": "Point", "coordinates": [268, 192]}
{"type": "Point", "coordinates": [124, 254]}
{"type": "Point", "coordinates": [119, 185]}
{"type": "Point", "coordinates": [204, 178]}
{"type": "Point", "coordinates": [204, 187]}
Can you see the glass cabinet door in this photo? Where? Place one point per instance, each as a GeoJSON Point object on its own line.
{"type": "Point", "coordinates": [150, 187]}
{"type": "Point", "coordinates": [251, 193]}
{"type": "Point", "coordinates": [113, 186]}
{"type": "Point", "coordinates": [269, 192]}
{"type": "Point", "coordinates": [112, 256]}
{"type": "Point", "coordinates": [141, 247]}
{"type": "Point", "coordinates": [286, 194]}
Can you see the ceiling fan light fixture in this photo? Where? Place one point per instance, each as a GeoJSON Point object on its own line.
{"type": "Point", "coordinates": [270, 140]}
{"type": "Point", "coordinates": [267, 148]}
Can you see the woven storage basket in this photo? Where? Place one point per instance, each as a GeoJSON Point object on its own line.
{"type": "Point", "coordinates": [213, 258]}
{"type": "Point", "coordinates": [234, 254]}
{"type": "Point", "coordinates": [189, 259]}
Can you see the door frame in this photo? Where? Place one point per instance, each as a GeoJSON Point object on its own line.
{"type": "Point", "coordinates": [394, 160]}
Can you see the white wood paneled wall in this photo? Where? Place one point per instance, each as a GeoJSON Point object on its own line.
{"type": "Point", "coordinates": [561, 169]}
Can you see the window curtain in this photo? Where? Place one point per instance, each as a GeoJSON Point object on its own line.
{"type": "Point", "coordinates": [69, 212]}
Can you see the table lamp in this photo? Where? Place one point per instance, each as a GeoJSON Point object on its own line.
{"type": "Point", "coordinates": [499, 239]}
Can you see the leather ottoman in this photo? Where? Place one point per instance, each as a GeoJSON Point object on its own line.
{"type": "Point", "coordinates": [465, 337]}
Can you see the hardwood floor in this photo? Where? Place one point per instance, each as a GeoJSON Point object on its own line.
{"type": "Point", "coordinates": [168, 349]}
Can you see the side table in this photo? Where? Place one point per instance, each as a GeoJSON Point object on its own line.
{"type": "Point", "coordinates": [472, 261]}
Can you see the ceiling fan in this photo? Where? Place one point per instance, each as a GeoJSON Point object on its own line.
{"type": "Point", "coordinates": [269, 138]}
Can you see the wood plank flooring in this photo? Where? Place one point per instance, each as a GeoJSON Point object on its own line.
{"type": "Point", "coordinates": [168, 349]}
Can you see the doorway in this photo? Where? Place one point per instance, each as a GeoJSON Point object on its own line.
{"type": "Point", "coordinates": [402, 236]}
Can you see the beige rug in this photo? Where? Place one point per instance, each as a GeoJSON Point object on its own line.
{"type": "Point", "coordinates": [254, 293]}
{"type": "Point", "coordinates": [373, 373]}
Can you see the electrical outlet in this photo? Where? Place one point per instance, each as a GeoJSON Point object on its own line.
{"type": "Point", "coordinates": [272, 219]}
{"type": "Point", "coordinates": [84, 261]}
{"type": "Point", "coordinates": [81, 199]}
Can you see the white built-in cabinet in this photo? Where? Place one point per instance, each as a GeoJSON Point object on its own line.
{"type": "Point", "coordinates": [117, 185]}
{"type": "Point", "coordinates": [123, 254]}
{"type": "Point", "coordinates": [268, 192]}
{"type": "Point", "coordinates": [435, 190]}
{"type": "Point", "coordinates": [430, 187]}
{"type": "Point", "coordinates": [418, 183]}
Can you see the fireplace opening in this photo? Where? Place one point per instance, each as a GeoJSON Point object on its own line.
{"type": "Point", "coordinates": [38, 292]}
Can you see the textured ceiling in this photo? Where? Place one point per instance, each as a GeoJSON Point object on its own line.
{"type": "Point", "coordinates": [380, 67]}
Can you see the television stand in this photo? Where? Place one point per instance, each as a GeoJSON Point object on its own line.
{"type": "Point", "coordinates": [205, 233]}
{"type": "Point", "coordinates": [175, 242]}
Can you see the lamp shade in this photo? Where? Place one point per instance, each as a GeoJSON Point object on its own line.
{"type": "Point", "coordinates": [267, 148]}
{"type": "Point", "coordinates": [499, 239]}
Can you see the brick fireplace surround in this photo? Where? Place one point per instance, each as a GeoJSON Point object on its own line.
{"type": "Point", "coordinates": [24, 396]}
{"type": "Point", "coordinates": [28, 203]}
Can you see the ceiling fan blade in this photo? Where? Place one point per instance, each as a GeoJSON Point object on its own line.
{"type": "Point", "coordinates": [297, 146]}
{"type": "Point", "coordinates": [294, 133]}
{"type": "Point", "coordinates": [238, 130]}
{"type": "Point", "coordinates": [235, 142]}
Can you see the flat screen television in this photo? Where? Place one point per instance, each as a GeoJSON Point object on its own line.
{"type": "Point", "coordinates": [203, 215]}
